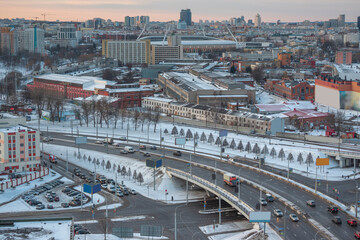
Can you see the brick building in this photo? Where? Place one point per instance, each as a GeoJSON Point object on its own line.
{"type": "Point", "coordinates": [299, 90]}
{"type": "Point", "coordinates": [284, 58]}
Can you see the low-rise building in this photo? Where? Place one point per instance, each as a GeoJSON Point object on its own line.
{"type": "Point", "coordinates": [291, 89]}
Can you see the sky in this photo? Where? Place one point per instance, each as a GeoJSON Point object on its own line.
{"type": "Point", "coordinates": [167, 10]}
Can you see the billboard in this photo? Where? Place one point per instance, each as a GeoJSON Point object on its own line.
{"type": "Point", "coordinates": [260, 216]}
{"type": "Point", "coordinates": [322, 162]}
{"type": "Point", "coordinates": [88, 188]}
{"type": "Point", "coordinates": [350, 100]}
{"type": "Point", "coordinates": [223, 133]}
{"type": "Point", "coordinates": [80, 140]}
{"type": "Point", "coordinates": [180, 141]}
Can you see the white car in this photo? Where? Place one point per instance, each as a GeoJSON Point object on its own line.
{"type": "Point", "coordinates": [294, 218]}
{"type": "Point", "coordinates": [278, 213]}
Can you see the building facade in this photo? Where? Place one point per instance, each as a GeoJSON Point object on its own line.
{"type": "Point", "coordinates": [19, 150]}
{"type": "Point", "coordinates": [33, 40]}
{"type": "Point", "coordinates": [257, 20]}
{"type": "Point", "coordinates": [299, 90]}
{"type": "Point", "coordinates": [343, 57]}
{"type": "Point", "coordinates": [136, 52]}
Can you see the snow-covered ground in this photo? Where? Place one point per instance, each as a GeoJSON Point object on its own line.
{"type": "Point", "coordinates": [39, 230]}
{"type": "Point", "coordinates": [174, 187]}
{"type": "Point", "coordinates": [10, 194]}
{"type": "Point", "coordinates": [151, 137]}
{"type": "Point", "coordinates": [110, 206]}
{"type": "Point", "coordinates": [126, 219]}
{"type": "Point", "coordinates": [263, 97]}
{"type": "Point", "coordinates": [112, 237]}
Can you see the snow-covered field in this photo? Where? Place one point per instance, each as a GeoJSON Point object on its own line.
{"type": "Point", "coordinates": [41, 230]}
{"type": "Point", "coordinates": [174, 187]}
{"type": "Point", "coordinates": [112, 237]}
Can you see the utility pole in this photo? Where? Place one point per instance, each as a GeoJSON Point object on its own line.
{"type": "Point", "coordinates": [67, 161]}
{"type": "Point", "coordinates": [316, 179]}
{"type": "Point", "coordinates": [219, 210]}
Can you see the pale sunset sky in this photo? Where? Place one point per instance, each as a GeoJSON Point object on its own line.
{"type": "Point", "coordinates": [166, 10]}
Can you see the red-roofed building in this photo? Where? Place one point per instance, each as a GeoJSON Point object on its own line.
{"type": "Point", "coordinates": [308, 118]}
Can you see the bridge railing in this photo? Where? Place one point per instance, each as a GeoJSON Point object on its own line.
{"type": "Point", "coordinates": [225, 195]}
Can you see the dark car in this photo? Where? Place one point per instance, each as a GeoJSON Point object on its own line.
{"type": "Point", "coordinates": [357, 235]}
{"type": "Point", "coordinates": [146, 154]}
{"type": "Point", "coordinates": [75, 203]}
{"type": "Point", "coordinates": [153, 148]}
{"type": "Point", "coordinates": [177, 153]}
{"type": "Point", "coordinates": [82, 231]}
{"type": "Point", "coordinates": [333, 209]}
{"type": "Point", "coordinates": [56, 199]}
{"type": "Point", "coordinates": [352, 222]}
{"type": "Point", "coordinates": [40, 207]}
{"type": "Point", "coordinates": [337, 220]}
{"type": "Point", "coordinates": [65, 205]}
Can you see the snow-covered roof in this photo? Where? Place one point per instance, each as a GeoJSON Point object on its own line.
{"type": "Point", "coordinates": [97, 98]}
{"type": "Point", "coordinates": [223, 96]}
{"type": "Point", "coordinates": [191, 81]}
{"type": "Point", "coordinates": [200, 43]}
{"type": "Point", "coordinates": [160, 99]}
{"type": "Point", "coordinates": [13, 129]}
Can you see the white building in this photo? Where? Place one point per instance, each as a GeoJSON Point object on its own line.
{"type": "Point", "coordinates": [33, 40]}
{"type": "Point", "coordinates": [257, 20]}
{"type": "Point", "coordinates": [19, 149]}
{"type": "Point", "coordinates": [351, 38]}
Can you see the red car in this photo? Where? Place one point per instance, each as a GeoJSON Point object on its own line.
{"type": "Point", "coordinates": [357, 235]}
{"type": "Point", "coordinates": [352, 222]}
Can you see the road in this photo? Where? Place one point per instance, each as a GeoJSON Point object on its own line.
{"type": "Point", "coordinates": [302, 230]}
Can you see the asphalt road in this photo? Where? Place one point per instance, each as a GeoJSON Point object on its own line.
{"type": "Point", "coordinates": [301, 230]}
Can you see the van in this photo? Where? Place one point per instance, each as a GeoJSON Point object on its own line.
{"type": "Point", "coordinates": [129, 149]}
{"type": "Point", "coordinates": [108, 141]}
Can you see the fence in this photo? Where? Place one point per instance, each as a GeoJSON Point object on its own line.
{"type": "Point", "coordinates": [28, 177]}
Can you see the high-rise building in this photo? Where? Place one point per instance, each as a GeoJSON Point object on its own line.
{"type": "Point", "coordinates": [127, 21]}
{"type": "Point", "coordinates": [66, 32]}
{"type": "Point", "coordinates": [9, 41]}
{"type": "Point", "coordinates": [257, 20]}
{"type": "Point", "coordinates": [358, 23]}
{"type": "Point", "coordinates": [32, 40]}
{"type": "Point", "coordinates": [341, 20]}
{"type": "Point", "coordinates": [342, 57]}
{"type": "Point", "coordinates": [173, 51]}
{"type": "Point", "coordinates": [185, 16]}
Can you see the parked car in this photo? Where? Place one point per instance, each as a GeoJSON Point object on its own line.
{"type": "Point", "coordinates": [153, 148]}
{"type": "Point", "coordinates": [133, 192]}
{"type": "Point", "coordinates": [337, 220]}
{"type": "Point", "coordinates": [111, 188]}
{"type": "Point", "coordinates": [104, 186]}
{"type": "Point", "coordinates": [82, 231]}
{"type": "Point", "coordinates": [177, 153]}
{"type": "Point", "coordinates": [147, 154]}
{"type": "Point", "coordinates": [333, 209]}
{"type": "Point", "coordinates": [75, 203]}
{"type": "Point", "coordinates": [47, 139]}
{"type": "Point", "coordinates": [40, 207]}
{"type": "Point", "coordinates": [263, 202]}
{"type": "Point", "coordinates": [294, 218]}
{"type": "Point", "coordinates": [65, 205]}
{"type": "Point", "coordinates": [352, 222]}
{"type": "Point", "coordinates": [49, 206]}
{"type": "Point", "coordinates": [142, 147]}
{"type": "Point", "coordinates": [311, 203]}
{"type": "Point", "coordinates": [122, 138]}
{"type": "Point", "coordinates": [119, 193]}
{"type": "Point", "coordinates": [91, 173]}
{"type": "Point", "coordinates": [98, 142]}
{"type": "Point", "coordinates": [278, 213]}
{"type": "Point", "coordinates": [56, 199]}
{"type": "Point", "coordinates": [357, 235]}
{"type": "Point", "coordinates": [125, 191]}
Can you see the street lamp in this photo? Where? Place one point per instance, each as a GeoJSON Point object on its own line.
{"type": "Point", "coordinates": [261, 184]}
{"type": "Point", "coordinates": [357, 193]}
{"type": "Point", "coordinates": [175, 220]}
{"type": "Point", "coordinates": [285, 222]}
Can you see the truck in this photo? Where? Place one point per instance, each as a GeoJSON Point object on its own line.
{"type": "Point", "coordinates": [230, 180]}
{"type": "Point", "coordinates": [129, 149]}
{"type": "Point", "coordinates": [109, 141]}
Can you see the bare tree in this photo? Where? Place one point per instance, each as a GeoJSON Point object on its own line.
{"type": "Point", "coordinates": [38, 98]}
{"type": "Point", "coordinates": [123, 114]}
{"type": "Point", "coordinates": [129, 173]}
{"type": "Point", "coordinates": [86, 111]}
{"type": "Point", "coordinates": [155, 117]}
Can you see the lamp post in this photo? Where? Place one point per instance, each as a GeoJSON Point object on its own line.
{"type": "Point", "coordinates": [175, 221]}
{"type": "Point", "coordinates": [261, 184]}
{"type": "Point", "coordinates": [285, 222]}
{"type": "Point", "coordinates": [357, 194]}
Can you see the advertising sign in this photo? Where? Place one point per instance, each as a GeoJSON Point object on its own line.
{"type": "Point", "coordinates": [260, 216]}
{"type": "Point", "coordinates": [180, 141]}
{"type": "Point", "coordinates": [322, 162]}
{"type": "Point", "coordinates": [80, 140]}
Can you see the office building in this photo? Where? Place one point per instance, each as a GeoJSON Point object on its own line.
{"type": "Point", "coordinates": [185, 16]}
{"type": "Point", "coordinates": [343, 57]}
{"type": "Point", "coordinates": [19, 149]}
{"type": "Point", "coordinates": [172, 51]}
{"type": "Point", "coordinates": [127, 21]}
{"type": "Point", "coordinates": [257, 20]}
{"type": "Point", "coordinates": [137, 52]}
{"type": "Point", "coordinates": [66, 32]}
{"type": "Point", "coordinates": [341, 20]}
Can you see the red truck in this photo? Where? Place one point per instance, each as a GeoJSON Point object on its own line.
{"type": "Point", "coordinates": [230, 180]}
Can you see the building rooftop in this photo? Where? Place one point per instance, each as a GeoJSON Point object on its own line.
{"type": "Point", "coordinates": [189, 82]}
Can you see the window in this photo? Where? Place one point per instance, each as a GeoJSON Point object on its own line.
{"type": "Point", "coordinates": [21, 152]}
{"type": "Point", "coordinates": [21, 144]}
{"type": "Point", "coordinates": [22, 159]}
{"type": "Point", "coordinates": [22, 137]}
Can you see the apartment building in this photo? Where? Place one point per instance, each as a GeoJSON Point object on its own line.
{"type": "Point", "coordinates": [19, 149]}
{"type": "Point", "coordinates": [137, 52]}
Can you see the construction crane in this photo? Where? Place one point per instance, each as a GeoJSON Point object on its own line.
{"type": "Point", "coordinates": [46, 14]}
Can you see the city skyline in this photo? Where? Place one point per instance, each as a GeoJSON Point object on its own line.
{"type": "Point", "coordinates": [159, 10]}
